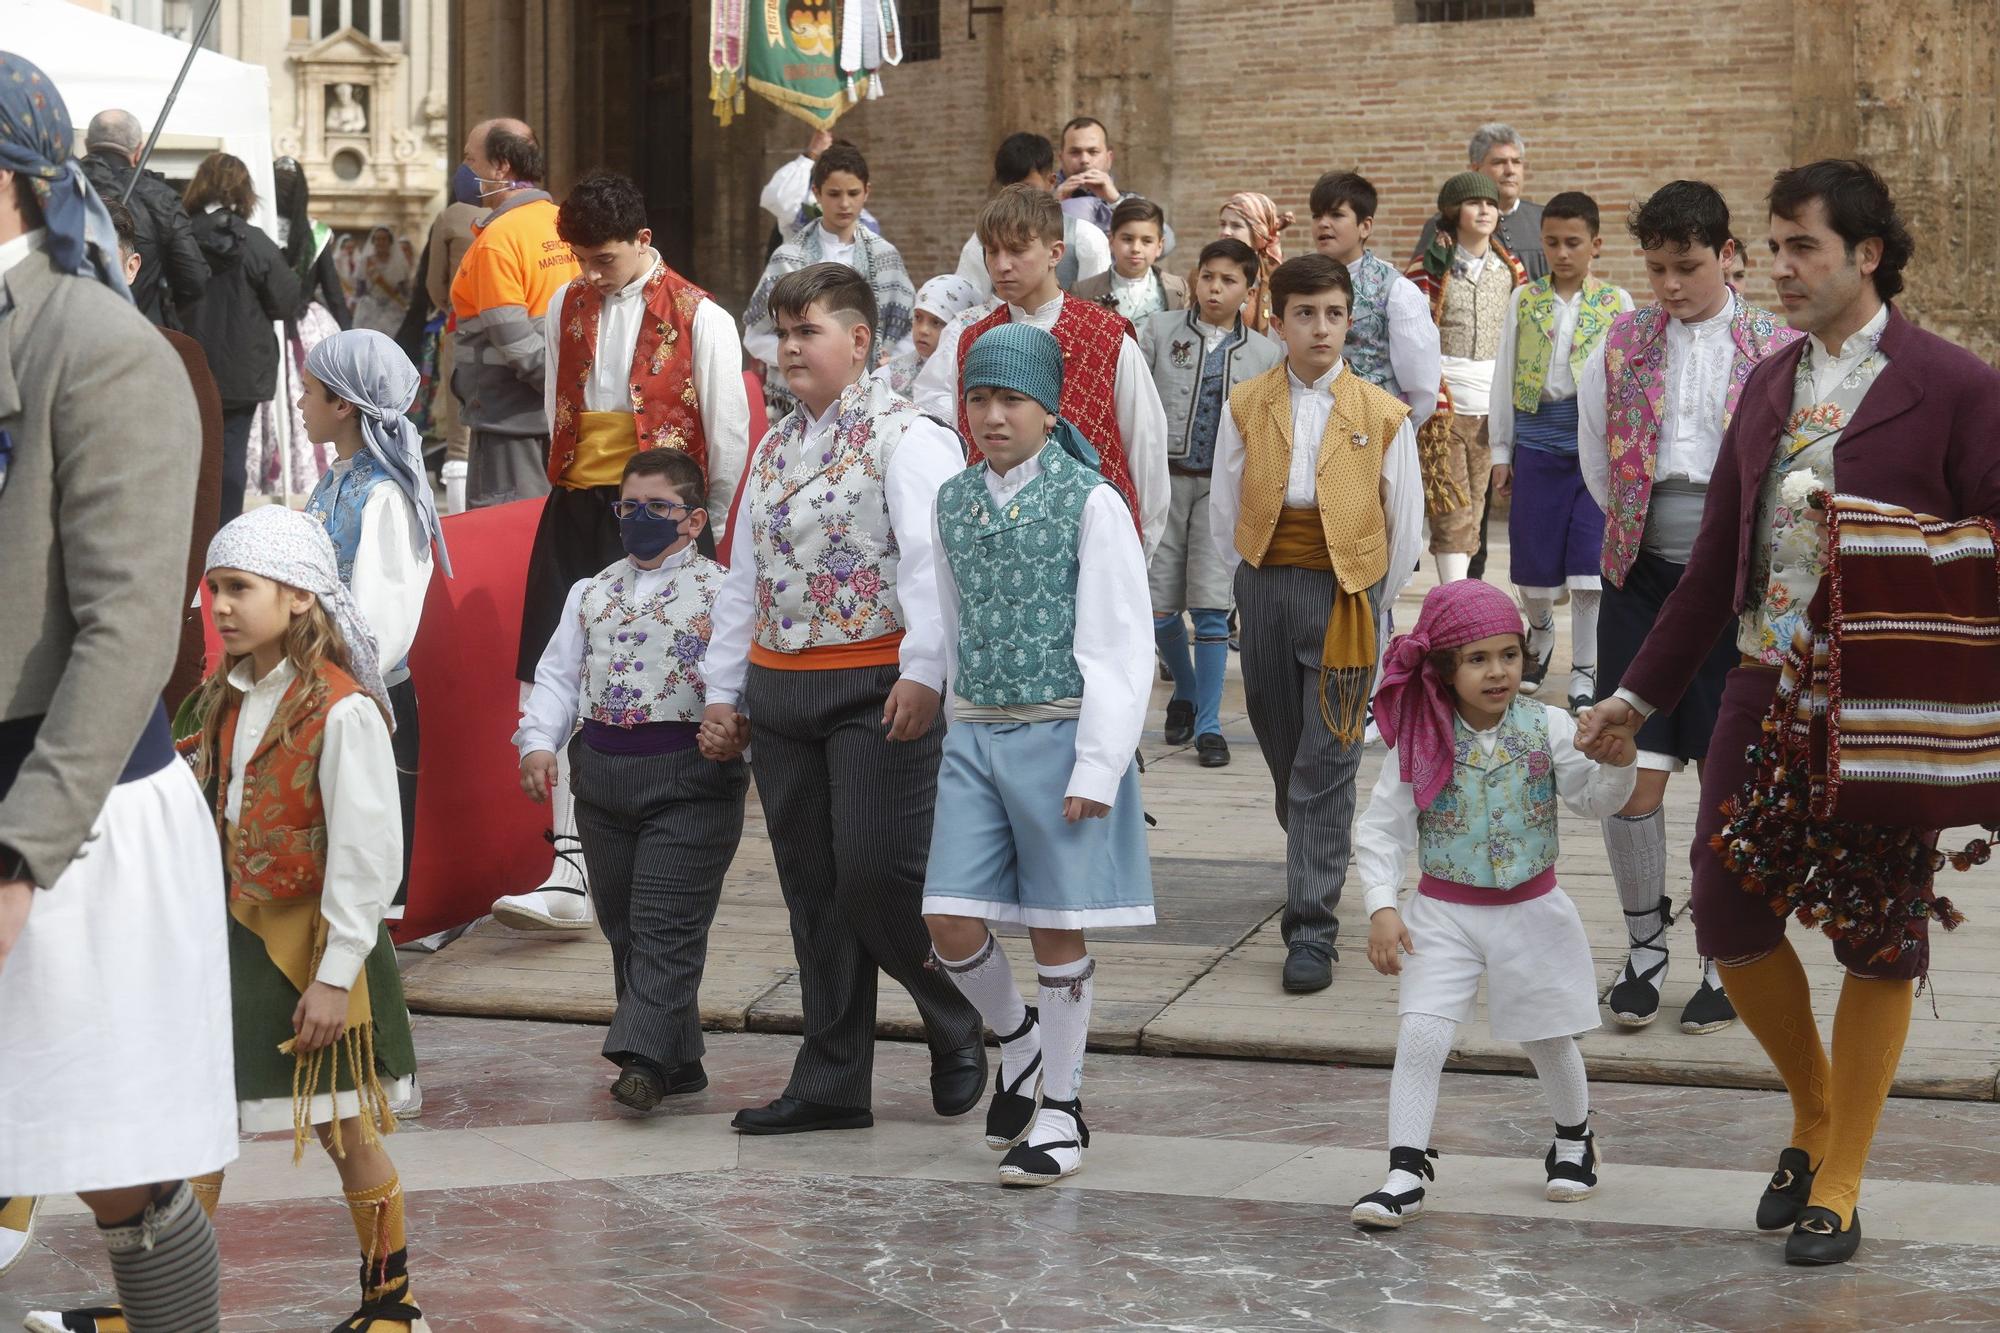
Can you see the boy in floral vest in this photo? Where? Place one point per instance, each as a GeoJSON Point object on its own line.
{"type": "Point", "coordinates": [660, 822]}
{"type": "Point", "coordinates": [1316, 504]}
{"type": "Point", "coordinates": [829, 649]}
{"type": "Point", "coordinates": [1108, 393]}
{"type": "Point", "coordinates": [1652, 404]}
{"type": "Point", "coordinates": [1393, 341]}
{"type": "Point", "coordinates": [643, 360]}
{"type": "Point", "coordinates": [1043, 584]}
{"type": "Point", "coordinates": [1554, 529]}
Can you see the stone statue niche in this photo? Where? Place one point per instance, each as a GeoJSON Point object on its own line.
{"type": "Point", "coordinates": [346, 109]}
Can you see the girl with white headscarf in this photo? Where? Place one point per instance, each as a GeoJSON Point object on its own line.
{"type": "Point", "coordinates": [941, 301]}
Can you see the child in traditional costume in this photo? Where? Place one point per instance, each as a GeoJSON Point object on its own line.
{"type": "Point", "coordinates": [1472, 790]}
{"type": "Point", "coordinates": [1555, 531]}
{"type": "Point", "coordinates": [1135, 285]}
{"type": "Point", "coordinates": [1043, 584]}
{"type": "Point", "coordinates": [827, 633]}
{"type": "Point", "coordinates": [1316, 506]}
{"type": "Point", "coordinates": [294, 748]}
{"type": "Point", "coordinates": [1108, 393]}
{"type": "Point", "coordinates": [939, 302]}
{"type": "Point", "coordinates": [1653, 403]}
{"type": "Point", "coordinates": [641, 359]}
{"type": "Point", "coordinates": [1392, 341]}
{"type": "Point", "coordinates": [1197, 357]}
{"type": "Point", "coordinates": [1469, 275]}
{"type": "Point", "coordinates": [659, 821]}
{"type": "Point", "coordinates": [1253, 219]}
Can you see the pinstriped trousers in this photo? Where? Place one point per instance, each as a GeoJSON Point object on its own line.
{"type": "Point", "coordinates": [1283, 612]}
{"type": "Point", "coordinates": [658, 832]}
{"type": "Point", "coordinates": [850, 814]}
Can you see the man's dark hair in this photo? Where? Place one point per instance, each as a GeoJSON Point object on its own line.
{"type": "Point", "coordinates": [1137, 208]}
{"type": "Point", "coordinates": [840, 157]}
{"type": "Point", "coordinates": [1858, 208]}
{"type": "Point", "coordinates": [1684, 214]}
{"type": "Point", "coordinates": [1574, 205]}
{"type": "Point", "coordinates": [1309, 275]}
{"type": "Point", "coordinates": [1022, 155]}
{"type": "Point", "coordinates": [121, 222]}
{"type": "Point", "coordinates": [520, 152]}
{"type": "Point", "coordinates": [838, 289]}
{"type": "Point", "coordinates": [602, 207]}
{"type": "Point", "coordinates": [1335, 188]}
{"type": "Point", "coordinates": [1231, 251]}
{"type": "Point", "coordinates": [682, 472]}
{"type": "Point", "coordinates": [1084, 123]}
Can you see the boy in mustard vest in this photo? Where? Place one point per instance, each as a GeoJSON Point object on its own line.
{"type": "Point", "coordinates": [1554, 529]}
{"type": "Point", "coordinates": [1316, 505]}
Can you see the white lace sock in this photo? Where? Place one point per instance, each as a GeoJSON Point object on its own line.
{"type": "Point", "coordinates": [1541, 607]}
{"type": "Point", "coordinates": [1559, 1066]}
{"type": "Point", "coordinates": [1583, 607]}
{"type": "Point", "coordinates": [1065, 1021]}
{"type": "Point", "coordinates": [987, 980]}
{"type": "Point", "coordinates": [1422, 1044]}
{"type": "Point", "coordinates": [1638, 852]}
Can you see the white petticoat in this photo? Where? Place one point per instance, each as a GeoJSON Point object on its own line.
{"type": "Point", "coordinates": [116, 1067]}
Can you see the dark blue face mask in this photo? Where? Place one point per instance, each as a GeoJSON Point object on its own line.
{"type": "Point", "coordinates": [644, 536]}
{"type": "Point", "coordinates": [464, 185]}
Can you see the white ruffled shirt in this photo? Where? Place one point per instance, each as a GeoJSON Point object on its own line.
{"type": "Point", "coordinates": [1560, 383]}
{"type": "Point", "coordinates": [1691, 410]}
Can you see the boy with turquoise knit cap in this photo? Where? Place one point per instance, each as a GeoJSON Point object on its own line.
{"type": "Point", "coordinates": [1043, 577]}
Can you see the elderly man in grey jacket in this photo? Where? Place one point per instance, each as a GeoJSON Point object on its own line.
{"type": "Point", "coordinates": [116, 1073]}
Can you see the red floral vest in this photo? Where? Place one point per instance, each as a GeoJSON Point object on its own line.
{"type": "Point", "coordinates": [280, 848]}
{"type": "Point", "coordinates": [662, 380]}
{"type": "Point", "coordinates": [1091, 338]}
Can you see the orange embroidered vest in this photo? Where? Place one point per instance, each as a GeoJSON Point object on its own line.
{"type": "Point", "coordinates": [662, 379]}
{"type": "Point", "coordinates": [280, 846]}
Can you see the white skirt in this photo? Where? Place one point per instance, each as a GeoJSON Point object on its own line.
{"type": "Point", "coordinates": [1540, 981]}
{"type": "Point", "coordinates": [116, 1067]}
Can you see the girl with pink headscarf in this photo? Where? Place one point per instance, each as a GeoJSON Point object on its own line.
{"type": "Point", "coordinates": [1470, 788]}
{"type": "Point", "coordinates": [1254, 220]}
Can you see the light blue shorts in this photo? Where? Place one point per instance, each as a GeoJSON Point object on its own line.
{"type": "Point", "coordinates": [1001, 849]}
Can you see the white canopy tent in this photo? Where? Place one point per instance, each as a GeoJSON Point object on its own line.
{"type": "Point", "coordinates": [98, 62]}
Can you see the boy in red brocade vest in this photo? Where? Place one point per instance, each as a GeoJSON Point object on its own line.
{"type": "Point", "coordinates": [1107, 390]}
{"type": "Point", "coordinates": [643, 360]}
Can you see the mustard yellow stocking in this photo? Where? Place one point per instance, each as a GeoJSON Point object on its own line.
{"type": "Point", "coordinates": [1773, 1000]}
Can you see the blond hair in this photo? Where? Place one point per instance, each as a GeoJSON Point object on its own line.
{"type": "Point", "coordinates": [1018, 216]}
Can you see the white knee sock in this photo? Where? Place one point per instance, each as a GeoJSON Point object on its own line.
{"type": "Point", "coordinates": [1638, 852]}
{"type": "Point", "coordinates": [987, 980]}
{"type": "Point", "coordinates": [1559, 1066]}
{"type": "Point", "coordinates": [1422, 1044]}
{"type": "Point", "coordinates": [1453, 566]}
{"type": "Point", "coordinates": [567, 870]}
{"type": "Point", "coordinates": [1065, 1009]}
{"type": "Point", "coordinates": [1583, 604]}
{"type": "Point", "coordinates": [1541, 606]}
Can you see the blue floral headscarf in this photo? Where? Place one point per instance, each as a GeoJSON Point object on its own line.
{"type": "Point", "coordinates": [35, 139]}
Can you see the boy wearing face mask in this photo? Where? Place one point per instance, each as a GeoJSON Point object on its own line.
{"type": "Point", "coordinates": [659, 821]}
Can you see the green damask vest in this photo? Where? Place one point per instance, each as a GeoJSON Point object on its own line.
{"type": "Point", "coordinates": [1535, 335]}
{"type": "Point", "coordinates": [1494, 824]}
{"type": "Point", "coordinates": [1016, 565]}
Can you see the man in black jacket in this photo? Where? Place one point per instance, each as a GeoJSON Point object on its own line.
{"type": "Point", "coordinates": [172, 272]}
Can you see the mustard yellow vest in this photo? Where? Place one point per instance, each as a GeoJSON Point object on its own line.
{"type": "Point", "coordinates": [1359, 430]}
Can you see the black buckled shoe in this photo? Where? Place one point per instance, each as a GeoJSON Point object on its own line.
{"type": "Point", "coordinates": [792, 1115]}
{"type": "Point", "coordinates": [1788, 1193]}
{"type": "Point", "coordinates": [958, 1079]}
{"type": "Point", "coordinates": [1383, 1211]}
{"type": "Point", "coordinates": [1570, 1181]}
{"type": "Point", "coordinates": [1307, 969]}
{"type": "Point", "coordinates": [1634, 1001]}
{"type": "Point", "coordinates": [1213, 750]}
{"type": "Point", "coordinates": [1012, 1112]}
{"type": "Point", "coordinates": [1819, 1239]}
{"type": "Point", "coordinates": [1180, 721]}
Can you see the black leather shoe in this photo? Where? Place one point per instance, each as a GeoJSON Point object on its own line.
{"type": "Point", "coordinates": [642, 1084]}
{"type": "Point", "coordinates": [958, 1079]}
{"type": "Point", "coordinates": [790, 1115]}
{"type": "Point", "coordinates": [1787, 1194]}
{"type": "Point", "coordinates": [1214, 750]}
{"type": "Point", "coordinates": [1818, 1239]}
{"type": "Point", "coordinates": [1307, 970]}
{"type": "Point", "coordinates": [1180, 721]}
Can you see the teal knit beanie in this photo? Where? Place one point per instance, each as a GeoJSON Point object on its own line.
{"type": "Point", "coordinates": [1018, 357]}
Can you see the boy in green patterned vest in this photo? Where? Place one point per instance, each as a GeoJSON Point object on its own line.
{"type": "Point", "coordinates": [1044, 584]}
{"type": "Point", "coordinates": [1555, 531]}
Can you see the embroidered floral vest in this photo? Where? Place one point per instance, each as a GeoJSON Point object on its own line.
{"type": "Point", "coordinates": [1359, 431]}
{"type": "Point", "coordinates": [280, 848]}
{"type": "Point", "coordinates": [819, 522]}
{"type": "Point", "coordinates": [662, 378]}
{"type": "Point", "coordinates": [1535, 335]}
{"type": "Point", "coordinates": [1367, 349]}
{"type": "Point", "coordinates": [1016, 569]}
{"type": "Point", "coordinates": [1091, 338]}
{"type": "Point", "coordinates": [1494, 824]}
{"type": "Point", "coordinates": [338, 500]}
{"type": "Point", "coordinates": [643, 661]}
{"type": "Point", "coordinates": [1635, 379]}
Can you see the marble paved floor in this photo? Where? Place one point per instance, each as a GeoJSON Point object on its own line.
{"type": "Point", "coordinates": [1214, 1198]}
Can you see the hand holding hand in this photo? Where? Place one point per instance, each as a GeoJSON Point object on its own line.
{"type": "Point", "coordinates": [724, 734]}
{"type": "Point", "coordinates": [320, 1018]}
{"type": "Point", "coordinates": [1608, 715]}
{"type": "Point", "coordinates": [1078, 808]}
{"type": "Point", "coordinates": [1388, 940]}
{"type": "Point", "coordinates": [911, 708]}
{"type": "Point", "coordinates": [538, 774]}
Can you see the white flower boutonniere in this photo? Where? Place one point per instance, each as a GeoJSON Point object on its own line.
{"type": "Point", "coordinates": [1802, 488]}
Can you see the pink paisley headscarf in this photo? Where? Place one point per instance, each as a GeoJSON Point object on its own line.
{"type": "Point", "coordinates": [1413, 706]}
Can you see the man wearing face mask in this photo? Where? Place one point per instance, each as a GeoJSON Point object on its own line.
{"type": "Point", "coordinates": [641, 361]}
{"type": "Point", "coordinates": [514, 266]}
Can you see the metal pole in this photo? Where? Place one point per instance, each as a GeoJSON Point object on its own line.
{"type": "Point", "coordinates": [160, 122]}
